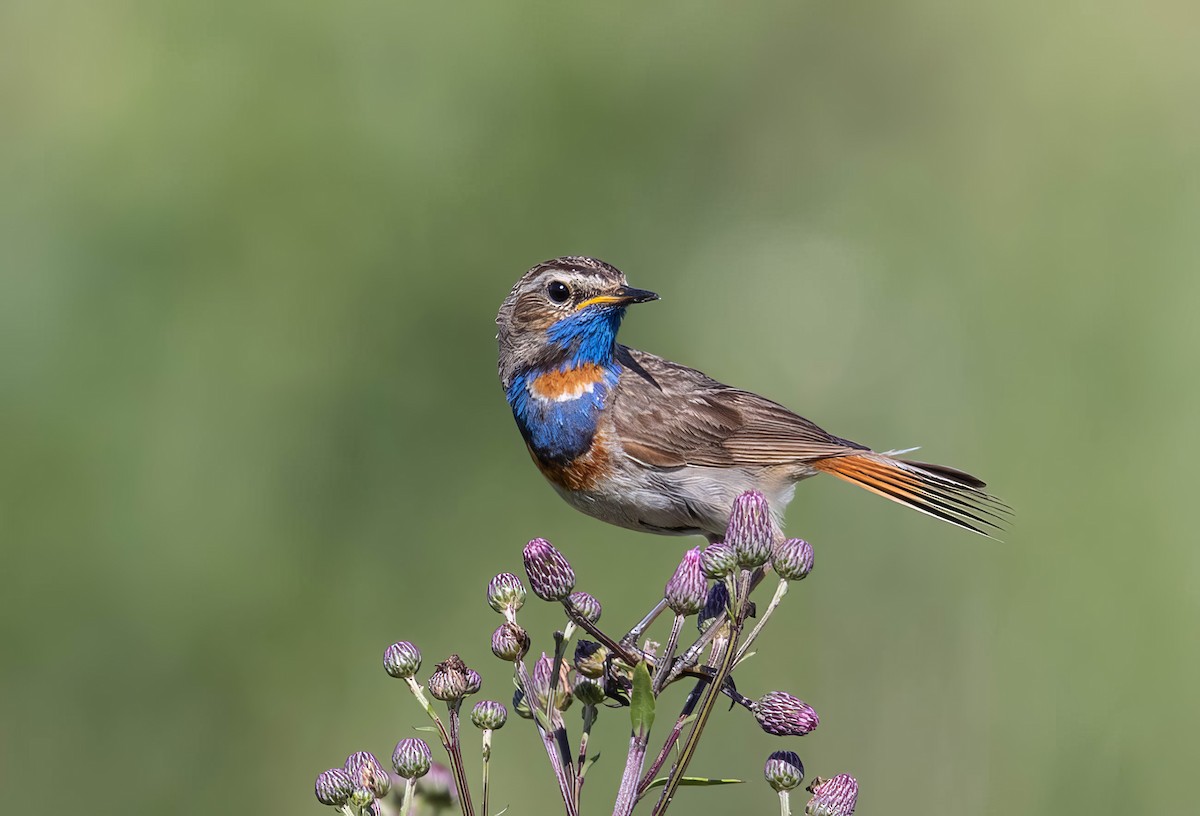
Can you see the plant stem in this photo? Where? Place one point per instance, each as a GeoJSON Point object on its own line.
{"type": "Point", "coordinates": [780, 591]}
{"type": "Point", "coordinates": [689, 706]}
{"type": "Point", "coordinates": [633, 635]}
{"type": "Point", "coordinates": [561, 639]}
{"type": "Point", "coordinates": [549, 740]}
{"type": "Point", "coordinates": [627, 795]}
{"type": "Point", "coordinates": [450, 744]}
{"type": "Point", "coordinates": [487, 757]}
{"type": "Point", "coordinates": [785, 807]}
{"type": "Point", "coordinates": [711, 695]}
{"type": "Point", "coordinates": [589, 719]}
{"type": "Point", "coordinates": [663, 664]}
{"type": "Point", "coordinates": [406, 803]}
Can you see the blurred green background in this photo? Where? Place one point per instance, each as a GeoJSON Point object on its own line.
{"type": "Point", "coordinates": [251, 430]}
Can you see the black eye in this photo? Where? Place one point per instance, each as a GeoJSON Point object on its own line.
{"type": "Point", "coordinates": [558, 291]}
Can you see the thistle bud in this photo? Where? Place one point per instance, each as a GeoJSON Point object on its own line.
{"type": "Point", "coordinates": [587, 606]}
{"type": "Point", "coordinates": [793, 560]}
{"type": "Point", "coordinates": [474, 681]}
{"type": "Point", "coordinates": [715, 606]}
{"type": "Point", "coordinates": [333, 787]}
{"type": "Point", "coordinates": [590, 658]}
{"type": "Point", "coordinates": [436, 788]}
{"type": "Point", "coordinates": [836, 796]}
{"type": "Point", "coordinates": [489, 715]}
{"type": "Point", "coordinates": [783, 715]}
{"type": "Point", "coordinates": [784, 771]}
{"type": "Point", "coordinates": [411, 758]}
{"type": "Point", "coordinates": [750, 530]}
{"type": "Point", "coordinates": [367, 774]}
{"type": "Point", "coordinates": [687, 590]}
{"type": "Point", "coordinates": [402, 659]}
{"type": "Point", "coordinates": [449, 679]}
{"type": "Point", "coordinates": [550, 576]}
{"type": "Point", "coordinates": [520, 704]}
{"type": "Point", "coordinates": [506, 594]}
{"type": "Point", "coordinates": [510, 642]}
{"type": "Point", "coordinates": [718, 560]}
{"type": "Point", "coordinates": [589, 691]}
{"type": "Point", "coordinates": [543, 687]}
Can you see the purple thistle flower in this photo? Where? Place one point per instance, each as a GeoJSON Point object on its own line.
{"type": "Point", "coordinates": [586, 605]}
{"type": "Point", "coordinates": [437, 786]}
{"type": "Point", "coordinates": [751, 529]}
{"type": "Point", "coordinates": [543, 687]}
{"type": "Point", "coordinates": [506, 594]}
{"type": "Point", "coordinates": [367, 774]}
{"type": "Point", "coordinates": [836, 796]}
{"type": "Point", "coordinates": [793, 559]}
{"type": "Point", "coordinates": [402, 659]}
{"type": "Point", "coordinates": [333, 787]}
{"type": "Point", "coordinates": [784, 770]}
{"type": "Point", "coordinates": [489, 715]}
{"type": "Point", "coordinates": [783, 715]}
{"type": "Point", "coordinates": [687, 590]}
{"type": "Point", "coordinates": [550, 576]}
{"type": "Point", "coordinates": [411, 758]}
{"type": "Point", "coordinates": [510, 642]}
{"type": "Point", "coordinates": [449, 679]}
{"type": "Point", "coordinates": [718, 560]}
{"type": "Point", "coordinates": [590, 658]}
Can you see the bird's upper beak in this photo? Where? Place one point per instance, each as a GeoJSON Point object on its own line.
{"type": "Point", "coordinates": [621, 297]}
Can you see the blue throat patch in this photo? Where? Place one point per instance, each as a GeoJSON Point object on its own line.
{"type": "Point", "coordinates": [558, 431]}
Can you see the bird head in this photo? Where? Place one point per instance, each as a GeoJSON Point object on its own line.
{"type": "Point", "coordinates": [562, 312]}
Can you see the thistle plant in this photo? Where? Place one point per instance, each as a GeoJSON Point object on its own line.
{"type": "Point", "coordinates": [582, 669]}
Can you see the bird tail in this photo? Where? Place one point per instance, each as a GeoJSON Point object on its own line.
{"type": "Point", "coordinates": [936, 490]}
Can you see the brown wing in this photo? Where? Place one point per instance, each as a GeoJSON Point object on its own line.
{"type": "Point", "coordinates": [668, 415]}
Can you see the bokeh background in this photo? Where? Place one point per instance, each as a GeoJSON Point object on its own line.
{"type": "Point", "coordinates": [251, 432]}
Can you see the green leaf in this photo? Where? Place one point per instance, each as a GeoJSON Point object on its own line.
{"type": "Point", "coordinates": [428, 728]}
{"type": "Point", "coordinates": [695, 781]}
{"type": "Point", "coordinates": [641, 701]}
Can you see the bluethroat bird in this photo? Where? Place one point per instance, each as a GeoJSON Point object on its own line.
{"type": "Point", "coordinates": [651, 445]}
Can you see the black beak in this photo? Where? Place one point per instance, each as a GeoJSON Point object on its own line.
{"type": "Point", "coordinates": [630, 295]}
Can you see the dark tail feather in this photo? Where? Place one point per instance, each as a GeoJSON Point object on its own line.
{"type": "Point", "coordinates": [936, 490]}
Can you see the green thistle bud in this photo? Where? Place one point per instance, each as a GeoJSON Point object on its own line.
{"type": "Point", "coordinates": [837, 796]}
{"type": "Point", "coordinates": [586, 605]}
{"type": "Point", "coordinates": [402, 659]}
{"type": "Point", "coordinates": [411, 758]}
{"type": "Point", "coordinates": [784, 771]}
{"type": "Point", "coordinates": [333, 787]}
{"type": "Point", "coordinates": [506, 594]}
{"type": "Point", "coordinates": [793, 559]}
{"type": "Point", "coordinates": [489, 715]}
{"type": "Point", "coordinates": [589, 691]}
{"type": "Point", "coordinates": [510, 642]}
{"type": "Point", "coordinates": [590, 658]}
{"type": "Point", "coordinates": [550, 575]}
{"type": "Point", "coordinates": [449, 679]}
{"type": "Point", "coordinates": [751, 529]}
{"type": "Point", "coordinates": [718, 560]}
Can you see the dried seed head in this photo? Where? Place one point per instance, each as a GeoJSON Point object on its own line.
{"type": "Point", "coordinates": [718, 560]}
{"type": "Point", "coordinates": [411, 758]}
{"type": "Point", "coordinates": [836, 796]}
{"type": "Point", "coordinates": [449, 679]}
{"type": "Point", "coordinates": [793, 559]}
{"type": "Point", "coordinates": [367, 774]}
{"type": "Point", "coordinates": [687, 590]}
{"type": "Point", "coordinates": [506, 594]}
{"type": "Point", "coordinates": [402, 659]}
{"type": "Point", "coordinates": [550, 576]}
{"type": "Point", "coordinates": [589, 691]}
{"type": "Point", "coordinates": [784, 715]}
{"type": "Point", "coordinates": [784, 771]}
{"type": "Point", "coordinates": [586, 605]}
{"type": "Point", "coordinates": [542, 687]}
{"type": "Point", "coordinates": [590, 658]}
{"type": "Point", "coordinates": [751, 529]}
{"type": "Point", "coordinates": [510, 642]}
{"type": "Point", "coordinates": [333, 787]}
{"type": "Point", "coordinates": [489, 715]}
